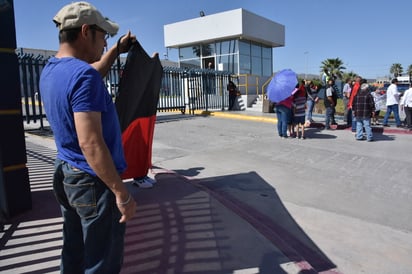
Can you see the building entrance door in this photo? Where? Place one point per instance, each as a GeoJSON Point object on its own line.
{"type": "Point", "coordinates": [208, 63]}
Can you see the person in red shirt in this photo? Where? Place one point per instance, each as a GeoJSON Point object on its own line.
{"type": "Point", "coordinates": [283, 111]}
{"type": "Point", "coordinates": [351, 118]}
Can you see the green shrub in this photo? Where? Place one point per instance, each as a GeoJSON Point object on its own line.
{"type": "Point", "coordinates": [320, 107]}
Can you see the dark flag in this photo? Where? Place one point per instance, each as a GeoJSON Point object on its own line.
{"type": "Point", "coordinates": [136, 106]}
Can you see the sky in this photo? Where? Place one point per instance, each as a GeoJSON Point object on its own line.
{"type": "Point", "coordinates": [367, 35]}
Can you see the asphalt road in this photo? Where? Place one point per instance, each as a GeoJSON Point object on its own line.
{"type": "Point", "coordinates": [352, 198]}
{"type": "Point", "coordinates": [336, 201]}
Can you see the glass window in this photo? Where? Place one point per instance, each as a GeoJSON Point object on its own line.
{"type": "Point", "coordinates": [226, 47]}
{"type": "Point", "coordinates": [189, 52]}
{"type": "Point", "coordinates": [234, 61]}
{"type": "Point", "coordinates": [244, 64]}
{"type": "Point", "coordinates": [267, 67]}
{"type": "Point", "coordinates": [244, 48]}
{"type": "Point", "coordinates": [256, 66]}
{"type": "Point", "coordinates": [227, 63]}
{"type": "Point", "coordinates": [194, 63]}
{"type": "Point", "coordinates": [222, 62]}
{"type": "Point", "coordinates": [267, 52]}
{"type": "Point", "coordinates": [256, 50]}
{"type": "Point", "coordinates": [208, 50]}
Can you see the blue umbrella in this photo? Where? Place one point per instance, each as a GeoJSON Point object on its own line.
{"type": "Point", "coordinates": [282, 85]}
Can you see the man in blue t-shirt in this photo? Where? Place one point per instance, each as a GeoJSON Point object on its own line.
{"type": "Point", "coordinates": [94, 201]}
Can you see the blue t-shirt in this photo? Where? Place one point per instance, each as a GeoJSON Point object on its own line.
{"type": "Point", "coordinates": [69, 85]}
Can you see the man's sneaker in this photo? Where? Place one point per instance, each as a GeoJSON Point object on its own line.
{"type": "Point", "coordinates": [150, 180]}
{"type": "Point", "coordinates": [143, 183]}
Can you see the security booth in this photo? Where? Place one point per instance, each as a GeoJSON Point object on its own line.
{"type": "Point", "coordinates": [237, 41]}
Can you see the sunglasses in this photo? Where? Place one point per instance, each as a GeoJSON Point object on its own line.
{"type": "Point", "coordinates": [106, 35]}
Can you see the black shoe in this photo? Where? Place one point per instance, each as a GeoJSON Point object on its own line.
{"type": "Point", "coordinates": [400, 126]}
{"type": "Point", "coordinates": [386, 125]}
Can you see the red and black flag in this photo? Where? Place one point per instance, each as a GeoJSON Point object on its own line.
{"type": "Point", "coordinates": [136, 105]}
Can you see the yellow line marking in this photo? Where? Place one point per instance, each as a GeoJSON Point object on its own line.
{"type": "Point", "coordinates": [14, 167]}
{"type": "Point", "coordinates": [10, 112]}
{"type": "Point", "coordinates": [8, 50]}
{"type": "Point", "coordinates": [272, 120]}
{"type": "Point", "coordinates": [239, 116]}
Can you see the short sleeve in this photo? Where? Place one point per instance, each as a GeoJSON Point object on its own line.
{"type": "Point", "coordinates": [88, 93]}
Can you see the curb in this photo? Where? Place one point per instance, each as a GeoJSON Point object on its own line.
{"type": "Point", "coordinates": [273, 120]}
{"type": "Point", "coordinates": [238, 116]}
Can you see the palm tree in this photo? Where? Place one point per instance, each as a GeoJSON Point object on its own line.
{"type": "Point", "coordinates": [204, 50]}
{"type": "Point", "coordinates": [396, 70]}
{"type": "Point", "coordinates": [409, 70]}
{"type": "Point", "coordinates": [333, 68]}
{"type": "Point", "coordinates": [349, 75]}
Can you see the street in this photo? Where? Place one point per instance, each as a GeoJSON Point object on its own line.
{"type": "Point", "coordinates": [352, 198]}
{"type": "Point", "coordinates": [232, 197]}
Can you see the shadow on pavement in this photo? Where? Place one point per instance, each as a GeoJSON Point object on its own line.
{"type": "Point", "coordinates": [257, 202]}
{"type": "Point", "coordinates": [217, 225]}
{"type": "Point", "coordinates": [212, 225]}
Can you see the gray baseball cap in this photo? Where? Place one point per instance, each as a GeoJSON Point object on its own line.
{"type": "Point", "coordinates": [76, 14]}
{"type": "Point", "coordinates": [364, 86]}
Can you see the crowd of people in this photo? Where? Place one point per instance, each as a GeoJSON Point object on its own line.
{"type": "Point", "coordinates": [361, 107]}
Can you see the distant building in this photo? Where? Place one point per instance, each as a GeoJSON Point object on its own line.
{"type": "Point", "coordinates": [237, 41]}
{"type": "Point", "coordinates": [403, 79]}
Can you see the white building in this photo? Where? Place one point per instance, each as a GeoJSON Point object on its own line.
{"type": "Point", "coordinates": [237, 41]}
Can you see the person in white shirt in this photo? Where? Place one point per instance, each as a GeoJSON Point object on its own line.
{"type": "Point", "coordinates": [345, 98]}
{"type": "Point", "coordinates": [392, 103]}
{"type": "Point", "coordinates": [406, 105]}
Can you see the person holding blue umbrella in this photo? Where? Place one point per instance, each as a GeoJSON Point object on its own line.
{"type": "Point", "coordinates": [283, 111]}
{"type": "Point", "coordinates": [280, 91]}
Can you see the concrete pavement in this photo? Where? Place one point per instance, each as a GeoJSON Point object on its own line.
{"type": "Point", "coordinates": [189, 223]}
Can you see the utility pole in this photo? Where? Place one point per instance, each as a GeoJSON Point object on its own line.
{"type": "Point", "coordinates": [306, 53]}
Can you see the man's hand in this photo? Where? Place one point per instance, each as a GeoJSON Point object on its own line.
{"type": "Point", "coordinates": [126, 41]}
{"type": "Point", "coordinates": [127, 208]}
{"type": "Point", "coordinates": [104, 64]}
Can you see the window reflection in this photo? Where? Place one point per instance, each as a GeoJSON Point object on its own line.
{"type": "Point", "coordinates": [193, 63]}
{"type": "Point", "coordinates": [188, 53]}
{"type": "Point", "coordinates": [227, 47]}
{"type": "Point", "coordinates": [235, 56]}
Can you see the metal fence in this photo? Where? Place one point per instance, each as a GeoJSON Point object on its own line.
{"type": "Point", "coordinates": [181, 89]}
{"type": "Point", "coordinates": [30, 68]}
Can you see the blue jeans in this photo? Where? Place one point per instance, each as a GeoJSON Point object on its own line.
{"type": "Point", "coordinates": [310, 105]}
{"type": "Point", "coordinates": [284, 115]}
{"type": "Point", "coordinates": [330, 116]}
{"type": "Point", "coordinates": [350, 118]}
{"type": "Point", "coordinates": [345, 108]}
{"type": "Point", "coordinates": [93, 238]}
{"type": "Point", "coordinates": [362, 122]}
{"type": "Point", "coordinates": [389, 110]}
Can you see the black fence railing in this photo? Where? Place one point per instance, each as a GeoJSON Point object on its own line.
{"type": "Point", "coordinates": [181, 89]}
{"type": "Point", "coordinates": [30, 68]}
